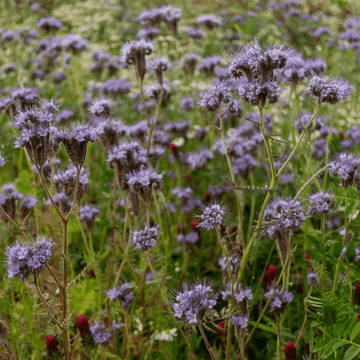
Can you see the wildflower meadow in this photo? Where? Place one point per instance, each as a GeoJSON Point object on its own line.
{"type": "Point", "coordinates": [179, 180]}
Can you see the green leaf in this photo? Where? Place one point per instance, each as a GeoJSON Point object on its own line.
{"type": "Point", "coordinates": [350, 208]}
{"type": "Point", "coordinates": [355, 331]}
{"type": "Point", "coordinates": [23, 185]}
{"type": "Point", "coordinates": [321, 344]}
{"type": "Point", "coordinates": [338, 344]}
{"type": "Point", "coordinates": [112, 356]}
{"type": "Point", "coordinates": [337, 204]}
{"type": "Point", "coordinates": [328, 350]}
{"type": "Point", "coordinates": [352, 352]}
{"type": "Point", "coordinates": [336, 190]}
{"type": "Point", "coordinates": [314, 240]}
{"type": "Point", "coordinates": [352, 192]}
{"type": "Point", "coordinates": [350, 252]}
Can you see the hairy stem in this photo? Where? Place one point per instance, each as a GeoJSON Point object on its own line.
{"type": "Point", "coordinates": [208, 346]}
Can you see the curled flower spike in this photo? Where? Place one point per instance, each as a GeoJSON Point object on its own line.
{"type": "Point", "coordinates": [134, 52]}
{"type": "Point", "coordinates": [87, 215]}
{"type": "Point", "coordinates": [102, 107]}
{"type": "Point", "coordinates": [219, 94]}
{"type": "Point", "coordinates": [321, 203]}
{"type": "Point", "coordinates": [158, 67]}
{"type": "Point", "coordinates": [213, 216]}
{"type": "Point", "coordinates": [75, 140]}
{"type": "Point", "coordinates": [194, 301]}
{"type": "Point", "coordinates": [329, 90]}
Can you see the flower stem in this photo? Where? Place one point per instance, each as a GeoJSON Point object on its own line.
{"type": "Point", "coordinates": [208, 346]}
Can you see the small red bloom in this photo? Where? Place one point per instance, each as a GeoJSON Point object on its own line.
{"type": "Point", "coordinates": [188, 177]}
{"type": "Point", "coordinates": [357, 294]}
{"type": "Point", "coordinates": [82, 323]}
{"type": "Point", "coordinates": [341, 134]}
{"type": "Point", "coordinates": [92, 201]}
{"type": "Point", "coordinates": [307, 257]}
{"type": "Point", "coordinates": [299, 288]}
{"type": "Point", "coordinates": [173, 147]}
{"type": "Point", "coordinates": [290, 351]}
{"type": "Point", "coordinates": [194, 223]}
{"type": "Point", "coordinates": [91, 273]}
{"type": "Point", "coordinates": [272, 272]}
{"type": "Point", "coordinates": [207, 196]}
{"type": "Point", "coordinates": [220, 325]}
{"type": "Point", "coordinates": [307, 348]}
{"type": "Point", "coordinates": [51, 343]}
{"type": "Point", "coordinates": [188, 215]}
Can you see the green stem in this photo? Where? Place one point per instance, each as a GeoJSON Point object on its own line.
{"type": "Point", "coordinates": [208, 346]}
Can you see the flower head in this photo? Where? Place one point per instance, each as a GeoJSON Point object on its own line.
{"type": "Point", "coordinates": [290, 351]}
{"type": "Point", "coordinates": [240, 320]}
{"type": "Point", "coordinates": [194, 301]}
{"type": "Point", "coordinates": [145, 239]}
{"type": "Point", "coordinates": [312, 279]}
{"type": "Point", "coordinates": [123, 294]}
{"type": "Point", "coordinates": [87, 215]}
{"type": "Point", "coordinates": [213, 215]}
{"type": "Point", "coordinates": [321, 203]}
{"type": "Point", "coordinates": [3, 159]}
{"type": "Point", "coordinates": [344, 167]}
{"type": "Point", "coordinates": [24, 260]}
{"type": "Point", "coordinates": [329, 90]}
{"type": "Point", "coordinates": [102, 107]}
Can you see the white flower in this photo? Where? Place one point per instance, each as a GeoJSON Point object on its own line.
{"type": "Point", "coordinates": [166, 335]}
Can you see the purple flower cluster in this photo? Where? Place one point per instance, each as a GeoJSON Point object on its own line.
{"type": "Point", "coordinates": [329, 90]}
{"type": "Point", "coordinates": [8, 201]}
{"type": "Point", "coordinates": [234, 264]}
{"type": "Point", "coordinates": [75, 140]}
{"type": "Point", "coordinates": [114, 87]}
{"type": "Point", "coordinates": [26, 205]}
{"type": "Point", "coordinates": [145, 239]}
{"type": "Point", "coordinates": [219, 94]}
{"type": "Point", "coordinates": [122, 294]}
{"type": "Point", "coordinates": [321, 203]}
{"type": "Point", "coordinates": [198, 160]}
{"type": "Point", "coordinates": [188, 239]}
{"type": "Point", "coordinates": [279, 299]}
{"type": "Point", "coordinates": [312, 279]}
{"type": "Point", "coordinates": [102, 107]}
{"type": "Point", "coordinates": [110, 131]}
{"type": "Point", "coordinates": [213, 215]}
{"type": "Point", "coordinates": [194, 301]}
{"type": "Point", "coordinates": [240, 320]}
{"type": "Point", "coordinates": [87, 215]}
{"type": "Point", "coordinates": [158, 67]}
{"type": "Point", "coordinates": [344, 167]}
{"type": "Point", "coordinates": [24, 260]}
{"type": "Point", "coordinates": [3, 159]}
{"type": "Point", "coordinates": [209, 21]}
{"type": "Point", "coordinates": [101, 335]}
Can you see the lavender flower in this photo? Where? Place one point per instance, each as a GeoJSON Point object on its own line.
{"type": "Point", "coordinates": [122, 294]}
{"type": "Point", "coordinates": [209, 21]}
{"type": "Point", "coordinates": [312, 279]}
{"type": "Point", "coordinates": [24, 260]}
{"type": "Point", "coordinates": [87, 215]}
{"type": "Point", "coordinates": [188, 239]}
{"type": "Point", "coordinates": [114, 87]}
{"type": "Point", "coordinates": [198, 160]}
{"type": "Point", "coordinates": [194, 301]}
{"type": "Point", "coordinates": [102, 107]}
{"type": "Point", "coordinates": [145, 239]}
{"type": "Point", "coordinates": [8, 201]}
{"type": "Point", "coordinates": [234, 264]}
{"type": "Point", "coordinates": [75, 43]}
{"type": "Point", "coordinates": [148, 34]}
{"type": "Point", "coordinates": [75, 140]}
{"type": "Point", "coordinates": [62, 202]}
{"type": "Point", "coordinates": [64, 116]}
{"type": "Point", "coordinates": [66, 181]}
{"type": "Point", "coordinates": [321, 203]}
{"type": "Point", "coordinates": [329, 90]}
{"type": "Point", "coordinates": [241, 295]}
{"type": "Point", "coordinates": [26, 205]}
{"type": "Point", "coordinates": [240, 320]}
{"type": "Point", "coordinates": [3, 159]}
{"type": "Point", "coordinates": [127, 157]}
{"type": "Point", "coordinates": [134, 52]}
{"type": "Point", "coordinates": [158, 67]}
{"type": "Point", "coordinates": [49, 24]}
{"type": "Point", "coordinates": [279, 299]}
{"type": "Point", "coordinates": [195, 33]}
{"type": "Point", "coordinates": [100, 334]}
{"type": "Point", "coordinates": [110, 131]}
{"type": "Point", "coordinates": [208, 64]}
{"type": "Point", "coordinates": [213, 215]}
{"type": "Point", "coordinates": [35, 127]}
{"type": "Point", "coordinates": [144, 181]}
{"type": "Point", "coordinates": [344, 167]}
{"type": "Point", "coordinates": [280, 218]}
{"type": "Point", "coordinates": [153, 91]}
{"type": "Point", "coordinates": [244, 165]}
{"type": "Point", "coordinates": [187, 103]}
{"type": "Point", "coordinates": [219, 94]}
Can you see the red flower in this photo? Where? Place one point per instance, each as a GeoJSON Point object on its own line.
{"type": "Point", "coordinates": [220, 325]}
{"type": "Point", "coordinates": [173, 147]}
{"type": "Point", "coordinates": [207, 196]}
{"type": "Point", "coordinates": [51, 343]}
{"type": "Point", "coordinates": [307, 257]}
{"type": "Point", "coordinates": [272, 272]}
{"type": "Point", "coordinates": [290, 351]}
{"type": "Point", "coordinates": [188, 177]}
{"type": "Point", "coordinates": [188, 215]}
{"type": "Point", "coordinates": [357, 294]}
{"type": "Point", "coordinates": [82, 323]}
{"type": "Point", "coordinates": [194, 223]}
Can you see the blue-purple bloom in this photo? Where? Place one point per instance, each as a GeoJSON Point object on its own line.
{"type": "Point", "coordinates": [122, 294]}
{"type": "Point", "coordinates": [101, 335]}
{"type": "Point", "coordinates": [26, 205]}
{"type": "Point", "coordinates": [87, 215]}
{"type": "Point", "coordinates": [240, 320]}
{"type": "Point", "coordinates": [102, 107]}
{"type": "Point", "coordinates": [194, 301]}
{"type": "Point", "coordinates": [312, 279]}
{"type": "Point", "coordinates": [279, 299]}
{"type": "Point", "coordinates": [213, 215]}
{"type": "Point", "coordinates": [3, 159]}
{"type": "Point", "coordinates": [209, 21]}
{"type": "Point", "coordinates": [145, 239]}
{"type": "Point", "coordinates": [344, 167]}
{"type": "Point", "coordinates": [329, 90]}
{"type": "Point", "coordinates": [24, 260]}
{"type": "Point", "coordinates": [321, 203]}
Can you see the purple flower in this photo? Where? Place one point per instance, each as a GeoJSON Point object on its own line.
{"type": "Point", "coordinates": [75, 140]}
{"type": "Point", "coordinates": [110, 131]}
{"type": "Point", "coordinates": [3, 159]}
{"type": "Point", "coordinates": [158, 67]}
{"type": "Point", "coordinates": [26, 205]}
{"type": "Point", "coordinates": [321, 203]}
{"type": "Point", "coordinates": [144, 181]}
{"type": "Point", "coordinates": [240, 320]}
{"type": "Point", "coordinates": [213, 215]}
{"type": "Point", "coordinates": [329, 90]}
{"type": "Point", "coordinates": [87, 215]}
{"type": "Point", "coordinates": [153, 91]}
{"type": "Point", "coordinates": [312, 279]}
{"type": "Point", "coordinates": [187, 103]}
{"type": "Point", "coordinates": [100, 334]}
{"type": "Point", "coordinates": [122, 294]}
{"type": "Point", "coordinates": [102, 107]}
{"type": "Point", "coordinates": [279, 299]}
{"type": "Point", "coordinates": [145, 239]}
{"type": "Point", "coordinates": [114, 87]}
{"type": "Point", "coordinates": [195, 33]}
{"type": "Point", "coordinates": [322, 30]}
{"type": "Point", "coordinates": [24, 260]}
{"type": "Point", "coordinates": [244, 165]}
{"type": "Point", "coordinates": [208, 64]}
{"type": "Point", "coordinates": [194, 301]}
{"type": "Point", "coordinates": [344, 167]}
{"type": "Point", "coordinates": [209, 21]}
{"type": "Point", "coordinates": [188, 239]}
{"type": "Point", "coordinates": [234, 264]}
{"type": "Point", "coordinates": [198, 160]}
{"type": "Point", "coordinates": [219, 94]}
{"type": "Point", "coordinates": [64, 116]}
{"type": "Point", "coordinates": [62, 202]}
{"type": "Point", "coordinates": [148, 34]}
{"type": "Point", "coordinates": [49, 24]}
{"type": "Point", "coordinates": [134, 52]}
{"type": "Point", "coordinates": [75, 43]}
